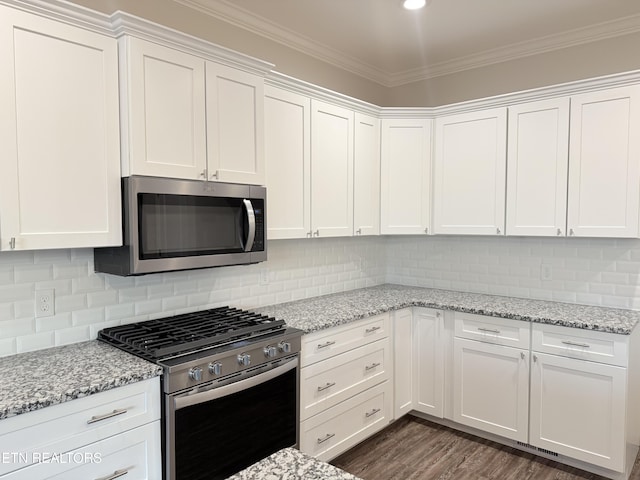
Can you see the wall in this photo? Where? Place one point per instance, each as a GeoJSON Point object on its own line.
{"type": "Point", "coordinates": [589, 271]}
{"type": "Point", "coordinates": [86, 301]}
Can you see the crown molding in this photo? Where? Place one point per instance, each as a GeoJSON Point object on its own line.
{"type": "Point", "coordinates": [225, 10]}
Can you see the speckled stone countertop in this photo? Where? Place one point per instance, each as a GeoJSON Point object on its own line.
{"type": "Point", "coordinates": [291, 464]}
{"type": "Point", "coordinates": [34, 380]}
{"type": "Point", "coordinates": [318, 313]}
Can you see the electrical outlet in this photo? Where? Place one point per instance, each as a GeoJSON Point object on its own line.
{"type": "Point", "coordinates": [546, 272]}
{"type": "Point", "coordinates": [45, 302]}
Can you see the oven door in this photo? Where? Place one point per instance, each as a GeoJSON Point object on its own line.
{"type": "Point", "coordinates": [220, 428]}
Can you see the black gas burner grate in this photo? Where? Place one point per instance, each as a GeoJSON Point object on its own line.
{"type": "Point", "coordinates": [186, 333]}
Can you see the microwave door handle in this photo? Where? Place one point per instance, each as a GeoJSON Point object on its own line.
{"type": "Point", "coordinates": [251, 216]}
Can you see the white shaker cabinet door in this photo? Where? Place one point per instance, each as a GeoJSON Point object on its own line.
{"type": "Point", "coordinates": [366, 189]}
{"type": "Point", "coordinates": [235, 125]}
{"type": "Point", "coordinates": [403, 362]}
{"type": "Point", "coordinates": [59, 135]}
{"type": "Point", "coordinates": [470, 173]}
{"type": "Point", "coordinates": [331, 170]}
{"type": "Point", "coordinates": [428, 361]}
{"type": "Point", "coordinates": [405, 176]}
{"type": "Point", "coordinates": [604, 163]}
{"type": "Point", "coordinates": [164, 99]}
{"type": "Point", "coordinates": [537, 161]}
{"type": "Point", "coordinates": [288, 163]}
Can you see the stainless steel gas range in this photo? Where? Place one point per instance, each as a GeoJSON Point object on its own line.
{"type": "Point", "coordinates": [230, 387]}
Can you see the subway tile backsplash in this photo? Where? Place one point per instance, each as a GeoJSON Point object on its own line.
{"type": "Point", "coordinates": [591, 271]}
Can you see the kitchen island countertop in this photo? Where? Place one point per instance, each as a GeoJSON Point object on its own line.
{"type": "Point", "coordinates": [327, 311]}
{"type": "Point", "coordinates": [291, 464]}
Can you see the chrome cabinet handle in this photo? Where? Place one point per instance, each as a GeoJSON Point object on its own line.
{"type": "Point", "coordinates": [372, 366]}
{"type": "Point", "coordinates": [327, 385]}
{"type": "Point", "coordinates": [316, 233]}
{"type": "Point", "coordinates": [326, 344]}
{"type": "Point", "coordinates": [522, 355]}
{"type": "Point", "coordinates": [559, 232]}
{"type": "Point", "coordinates": [359, 231]}
{"type": "Point", "coordinates": [12, 243]}
{"type": "Point", "coordinates": [535, 358]}
{"type": "Point", "coordinates": [372, 329]}
{"type": "Point", "coordinates": [372, 412]}
{"type": "Point", "coordinates": [488, 330]}
{"type": "Point", "coordinates": [327, 437]}
{"type": "Point", "coordinates": [216, 175]}
{"type": "Point", "coordinates": [426, 230]}
{"type": "Point", "coordinates": [497, 231]}
{"type": "Point", "coordinates": [571, 232]}
{"type": "Point", "coordinates": [115, 413]}
{"type": "Point", "coordinates": [203, 173]}
{"type": "Point", "coordinates": [116, 474]}
{"type": "Point", "coordinates": [576, 344]}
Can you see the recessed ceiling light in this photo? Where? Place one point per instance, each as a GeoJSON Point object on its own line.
{"type": "Point", "coordinates": [414, 4]}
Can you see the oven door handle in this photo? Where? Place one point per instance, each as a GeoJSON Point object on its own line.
{"type": "Point", "coordinates": [251, 217]}
{"type": "Point", "coordinates": [187, 400]}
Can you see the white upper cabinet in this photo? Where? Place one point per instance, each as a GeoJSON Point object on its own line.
{"type": "Point", "coordinates": [604, 159]}
{"type": "Point", "coordinates": [288, 158]}
{"type": "Point", "coordinates": [470, 173]}
{"type": "Point", "coordinates": [331, 170]}
{"type": "Point", "coordinates": [164, 100]}
{"type": "Point", "coordinates": [537, 162]}
{"type": "Point", "coordinates": [59, 135]}
{"type": "Point", "coordinates": [405, 176]}
{"type": "Point", "coordinates": [235, 119]}
{"type": "Point", "coordinates": [366, 189]}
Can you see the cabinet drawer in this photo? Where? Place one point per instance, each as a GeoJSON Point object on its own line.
{"type": "Point", "coordinates": [501, 331]}
{"type": "Point", "coordinates": [73, 424]}
{"type": "Point", "coordinates": [327, 343]}
{"type": "Point", "coordinates": [324, 384]}
{"type": "Point", "coordinates": [135, 454]}
{"type": "Point", "coordinates": [590, 345]}
{"type": "Point", "coordinates": [330, 433]}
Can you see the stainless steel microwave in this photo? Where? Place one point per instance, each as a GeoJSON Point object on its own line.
{"type": "Point", "coordinates": [171, 224]}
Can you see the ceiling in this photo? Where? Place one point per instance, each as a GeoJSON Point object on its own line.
{"type": "Point", "coordinates": [379, 40]}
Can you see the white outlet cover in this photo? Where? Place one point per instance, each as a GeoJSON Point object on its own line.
{"type": "Point", "coordinates": [45, 302]}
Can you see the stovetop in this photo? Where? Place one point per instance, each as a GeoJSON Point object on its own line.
{"type": "Point", "coordinates": [183, 335]}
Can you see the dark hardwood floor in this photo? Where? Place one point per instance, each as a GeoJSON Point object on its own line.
{"type": "Point", "coordinates": [413, 448]}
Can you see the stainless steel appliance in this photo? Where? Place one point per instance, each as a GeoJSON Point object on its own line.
{"type": "Point", "coordinates": [172, 224]}
{"type": "Point", "coordinates": [230, 387]}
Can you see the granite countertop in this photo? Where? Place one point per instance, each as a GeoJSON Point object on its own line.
{"type": "Point", "coordinates": [291, 464]}
{"type": "Point", "coordinates": [318, 313]}
{"type": "Point", "coordinates": [34, 380]}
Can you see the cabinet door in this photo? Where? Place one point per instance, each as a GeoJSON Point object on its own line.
{"type": "Point", "coordinates": [331, 170]}
{"type": "Point", "coordinates": [537, 162]}
{"type": "Point", "coordinates": [164, 91]}
{"type": "Point", "coordinates": [578, 409]}
{"type": "Point", "coordinates": [491, 388]}
{"type": "Point", "coordinates": [428, 362]}
{"type": "Point", "coordinates": [403, 362]}
{"type": "Point", "coordinates": [406, 176]}
{"type": "Point", "coordinates": [469, 173]}
{"type": "Point", "coordinates": [59, 135]}
{"type": "Point", "coordinates": [604, 160]}
{"type": "Point", "coordinates": [235, 120]}
{"type": "Point", "coordinates": [366, 189]}
{"type": "Point", "coordinates": [288, 163]}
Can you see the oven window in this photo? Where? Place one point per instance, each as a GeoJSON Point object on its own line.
{"type": "Point", "coordinates": [216, 439]}
{"type": "Point", "coordinates": [189, 225]}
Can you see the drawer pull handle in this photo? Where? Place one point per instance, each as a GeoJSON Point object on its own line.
{"type": "Point", "coordinates": [326, 344]}
{"type": "Point", "coordinates": [327, 437]}
{"type": "Point", "coordinates": [489, 330]}
{"type": "Point", "coordinates": [576, 344]}
{"type": "Point", "coordinates": [372, 412]}
{"type": "Point", "coordinates": [327, 385]}
{"type": "Point", "coordinates": [372, 366]}
{"type": "Point", "coordinates": [372, 329]}
{"type": "Point", "coordinates": [116, 474]}
{"type": "Point", "coordinates": [115, 413]}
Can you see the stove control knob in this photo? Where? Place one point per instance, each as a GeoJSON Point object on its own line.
{"type": "Point", "coordinates": [195, 373]}
{"type": "Point", "coordinates": [270, 351]}
{"type": "Point", "coordinates": [215, 368]}
{"type": "Point", "coordinates": [244, 359]}
{"type": "Point", "coordinates": [284, 347]}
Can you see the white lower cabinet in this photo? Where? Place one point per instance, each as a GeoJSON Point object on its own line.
{"type": "Point", "coordinates": [345, 386]}
{"type": "Point", "coordinates": [428, 361]}
{"type": "Point", "coordinates": [403, 381]}
{"type": "Point", "coordinates": [116, 432]}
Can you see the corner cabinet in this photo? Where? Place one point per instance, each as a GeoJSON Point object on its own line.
{"type": "Point", "coordinates": [469, 173]}
{"type": "Point", "coordinates": [59, 135]}
{"type": "Point", "coordinates": [366, 184]}
{"type": "Point", "coordinates": [405, 176]}
{"type": "Point", "coordinates": [604, 163]}
{"type": "Point", "coordinates": [186, 117]}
